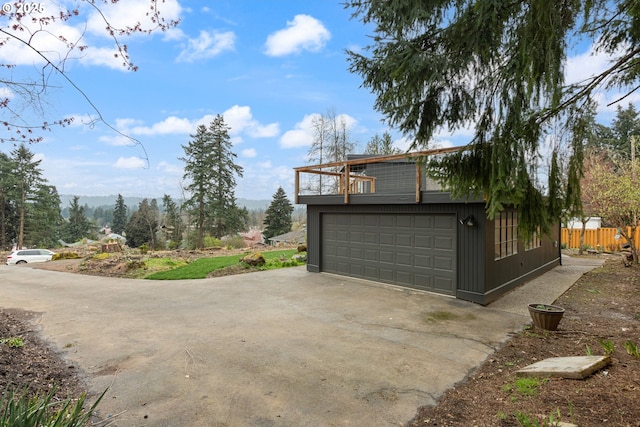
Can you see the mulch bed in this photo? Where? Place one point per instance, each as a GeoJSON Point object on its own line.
{"type": "Point", "coordinates": [35, 366]}
{"type": "Point", "coordinates": [603, 307]}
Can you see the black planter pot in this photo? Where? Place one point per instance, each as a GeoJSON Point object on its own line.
{"type": "Point", "coordinates": [546, 316]}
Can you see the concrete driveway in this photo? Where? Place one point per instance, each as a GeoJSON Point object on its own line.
{"type": "Point", "coordinates": [275, 348]}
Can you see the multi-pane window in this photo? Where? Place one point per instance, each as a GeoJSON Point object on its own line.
{"type": "Point", "coordinates": [506, 234]}
{"type": "Point", "coordinates": [533, 242]}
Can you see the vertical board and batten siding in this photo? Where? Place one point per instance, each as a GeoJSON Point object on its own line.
{"type": "Point", "coordinates": [509, 272]}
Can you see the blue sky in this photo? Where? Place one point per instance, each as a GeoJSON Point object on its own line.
{"type": "Point", "coordinates": [267, 66]}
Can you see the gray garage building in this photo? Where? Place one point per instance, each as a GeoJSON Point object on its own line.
{"type": "Point", "coordinates": [379, 218]}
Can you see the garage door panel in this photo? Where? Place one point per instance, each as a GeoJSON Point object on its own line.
{"type": "Point", "coordinates": [415, 250]}
{"type": "Point", "coordinates": [371, 255]}
{"type": "Point", "coordinates": [444, 242]}
{"type": "Point", "coordinates": [404, 221]}
{"type": "Point", "coordinates": [370, 238]}
{"type": "Point", "coordinates": [423, 241]}
{"type": "Point", "coordinates": [386, 274]}
{"type": "Point", "coordinates": [443, 263]}
{"type": "Point", "coordinates": [385, 220]}
{"type": "Point", "coordinates": [424, 280]}
{"type": "Point", "coordinates": [342, 252]}
{"type": "Point", "coordinates": [370, 220]}
{"type": "Point", "coordinates": [442, 284]}
{"type": "Point", "coordinates": [387, 239]}
{"type": "Point", "coordinates": [404, 259]}
{"type": "Point", "coordinates": [404, 240]}
{"type": "Point", "coordinates": [423, 261]}
{"type": "Point", "coordinates": [356, 253]}
{"type": "Point", "coordinates": [404, 278]}
{"type": "Point", "coordinates": [444, 222]}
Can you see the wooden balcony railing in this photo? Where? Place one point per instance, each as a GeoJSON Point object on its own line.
{"type": "Point", "coordinates": [351, 178]}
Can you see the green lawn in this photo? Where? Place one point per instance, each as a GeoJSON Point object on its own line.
{"type": "Point", "coordinates": [199, 269]}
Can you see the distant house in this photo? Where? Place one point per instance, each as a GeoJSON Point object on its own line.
{"type": "Point", "coordinates": [290, 238]}
{"type": "Point", "coordinates": [592, 223]}
{"type": "Point", "coordinates": [382, 219]}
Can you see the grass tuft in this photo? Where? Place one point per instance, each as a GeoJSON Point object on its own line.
{"type": "Point", "coordinates": [24, 411]}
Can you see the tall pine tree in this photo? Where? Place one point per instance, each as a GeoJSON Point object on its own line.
{"type": "Point", "coordinates": [210, 171]}
{"type": "Point", "coordinates": [28, 177]}
{"type": "Point", "coordinates": [119, 216]}
{"type": "Point", "coordinates": [172, 221]}
{"type": "Point", "coordinates": [78, 225]}
{"type": "Point", "coordinates": [278, 217]}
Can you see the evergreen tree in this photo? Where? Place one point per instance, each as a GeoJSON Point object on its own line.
{"type": "Point", "coordinates": [210, 171]}
{"type": "Point", "coordinates": [624, 128]}
{"type": "Point", "coordinates": [45, 222]}
{"type": "Point", "coordinates": [119, 216]}
{"type": "Point", "coordinates": [278, 219]}
{"type": "Point", "coordinates": [381, 146]}
{"type": "Point", "coordinates": [28, 176]}
{"type": "Point", "coordinates": [142, 226]}
{"type": "Point", "coordinates": [7, 206]}
{"type": "Point", "coordinates": [498, 66]}
{"type": "Point", "coordinates": [172, 221]}
{"type": "Point", "coordinates": [78, 226]}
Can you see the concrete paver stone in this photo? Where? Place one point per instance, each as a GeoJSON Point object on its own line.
{"type": "Point", "coordinates": [574, 367]}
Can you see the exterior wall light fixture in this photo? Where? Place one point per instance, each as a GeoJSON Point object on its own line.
{"type": "Point", "coordinates": [469, 221]}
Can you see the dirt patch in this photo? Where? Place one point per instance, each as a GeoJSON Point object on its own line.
{"type": "Point", "coordinates": [29, 363]}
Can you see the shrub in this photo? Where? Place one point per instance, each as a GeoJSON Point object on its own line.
{"type": "Point", "coordinates": [300, 257]}
{"type": "Point", "coordinates": [65, 255]}
{"type": "Point", "coordinates": [235, 242]}
{"type": "Point", "coordinates": [211, 242]}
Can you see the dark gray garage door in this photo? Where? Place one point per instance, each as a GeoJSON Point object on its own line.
{"type": "Point", "coordinates": [415, 250]}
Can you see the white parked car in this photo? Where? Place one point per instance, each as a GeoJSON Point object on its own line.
{"type": "Point", "coordinates": [23, 256]}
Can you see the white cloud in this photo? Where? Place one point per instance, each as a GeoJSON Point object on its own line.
{"type": "Point", "coordinates": [249, 153]}
{"type": "Point", "coordinates": [301, 135]}
{"type": "Point", "coordinates": [207, 45]}
{"type": "Point", "coordinates": [240, 119]}
{"type": "Point", "coordinates": [130, 163]}
{"type": "Point", "coordinates": [5, 92]}
{"type": "Point", "coordinates": [268, 131]}
{"type": "Point", "coordinates": [170, 168]}
{"type": "Point", "coordinates": [127, 14]}
{"type": "Point", "coordinates": [117, 140]}
{"type": "Point", "coordinates": [173, 34]}
{"type": "Point", "coordinates": [170, 125]}
{"type": "Point", "coordinates": [107, 57]}
{"type": "Point", "coordinates": [88, 28]}
{"type": "Point", "coordinates": [583, 66]}
{"type": "Point", "coordinates": [48, 42]}
{"type": "Point", "coordinates": [303, 33]}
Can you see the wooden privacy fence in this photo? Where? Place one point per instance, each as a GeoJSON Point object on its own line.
{"type": "Point", "coordinates": [602, 238]}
